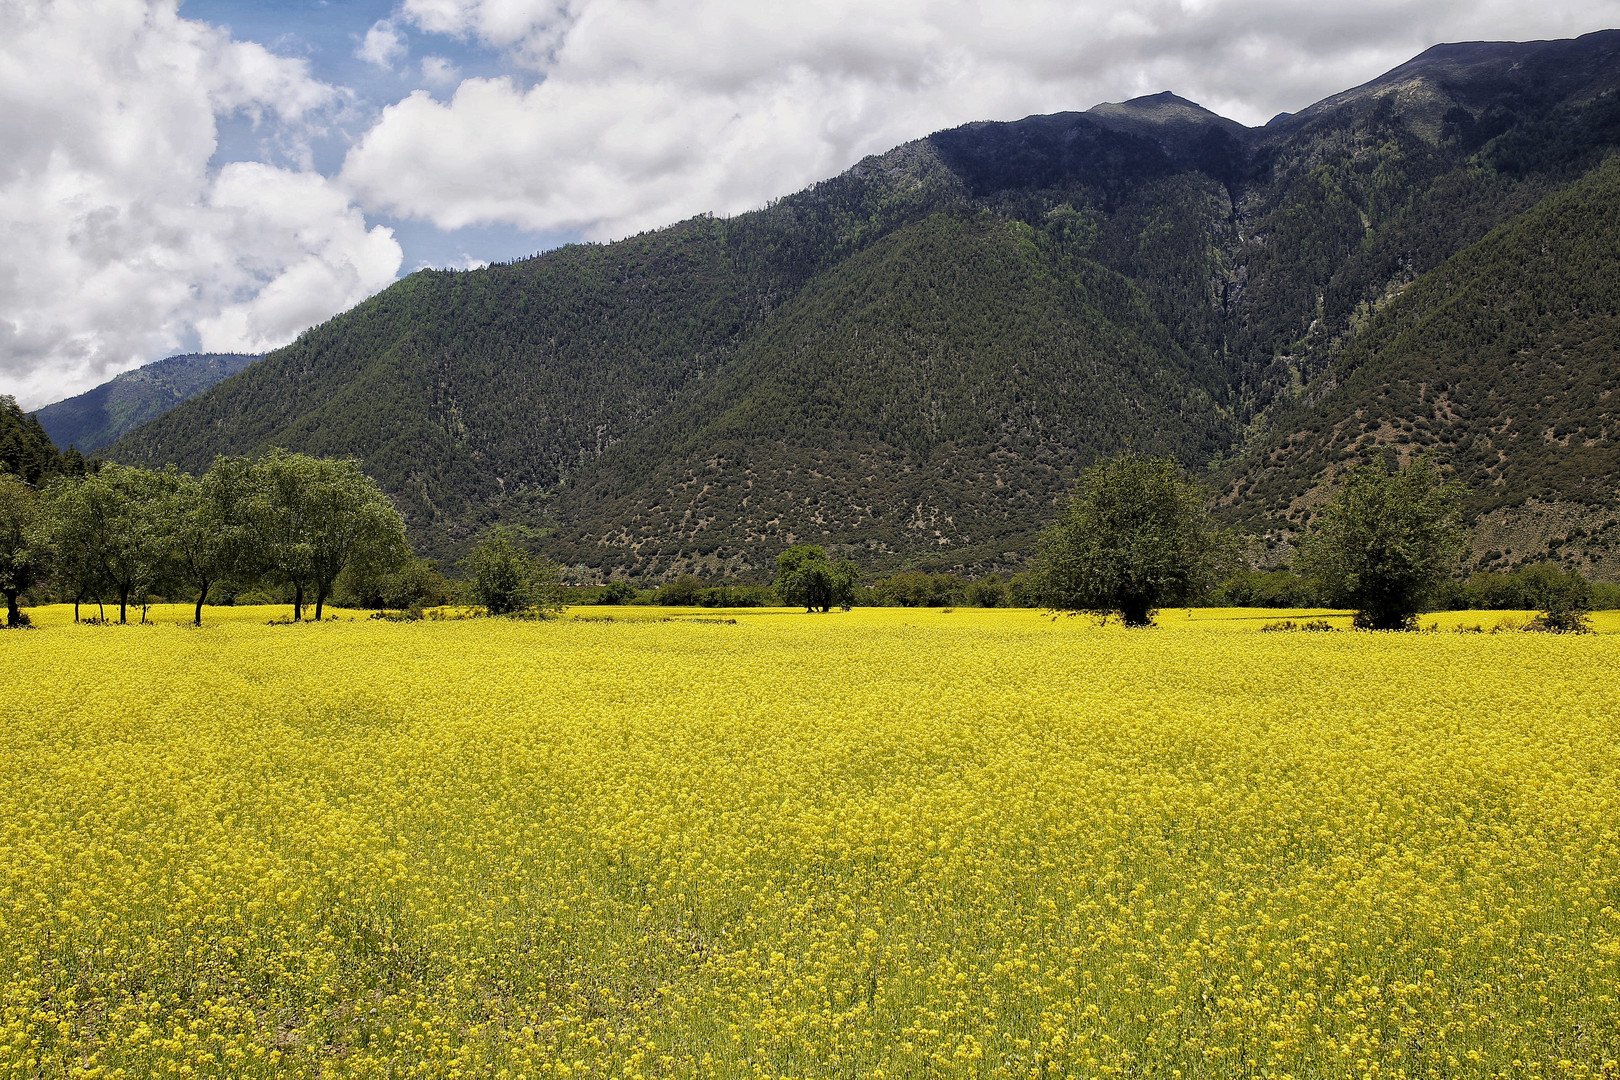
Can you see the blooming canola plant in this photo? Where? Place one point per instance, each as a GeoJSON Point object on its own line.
{"type": "Point", "coordinates": [871, 844]}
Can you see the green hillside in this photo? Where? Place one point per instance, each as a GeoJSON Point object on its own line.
{"type": "Point", "coordinates": [1502, 363]}
{"type": "Point", "coordinates": [929, 398]}
{"type": "Point", "coordinates": [910, 359]}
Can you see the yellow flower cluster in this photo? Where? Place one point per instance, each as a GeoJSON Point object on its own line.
{"type": "Point", "coordinates": [876, 844]}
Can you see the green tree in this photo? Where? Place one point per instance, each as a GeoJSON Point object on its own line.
{"type": "Point", "coordinates": [988, 591]}
{"type": "Point", "coordinates": [1136, 535]}
{"type": "Point", "coordinates": [804, 575]}
{"type": "Point", "coordinates": [504, 579]}
{"type": "Point", "coordinates": [24, 542]}
{"type": "Point", "coordinates": [684, 591]}
{"type": "Point", "coordinates": [1386, 542]}
{"type": "Point", "coordinates": [208, 537]}
{"type": "Point", "coordinates": [113, 526]}
{"type": "Point", "coordinates": [1564, 600]}
{"type": "Point", "coordinates": [26, 451]}
{"type": "Point", "coordinates": [77, 569]}
{"type": "Point", "coordinates": [307, 518]}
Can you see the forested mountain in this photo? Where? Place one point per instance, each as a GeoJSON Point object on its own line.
{"type": "Point", "coordinates": [100, 416]}
{"type": "Point", "coordinates": [1502, 363]}
{"type": "Point", "coordinates": [909, 361]}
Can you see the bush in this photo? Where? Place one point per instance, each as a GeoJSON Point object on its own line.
{"type": "Point", "coordinates": [617, 592]}
{"type": "Point", "coordinates": [1023, 591]}
{"type": "Point", "coordinates": [987, 592]}
{"type": "Point", "coordinates": [504, 579]}
{"type": "Point", "coordinates": [914, 588]}
{"type": "Point", "coordinates": [682, 592]}
{"type": "Point", "coordinates": [1273, 589]}
{"type": "Point", "coordinates": [737, 596]}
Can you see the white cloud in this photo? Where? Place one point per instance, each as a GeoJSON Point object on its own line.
{"type": "Point", "coordinates": [383, 45]}
{"type": "Point", "coordinates": [640, 112]}
{"type": "Point", "coordinates": [439, 71]}
{"type": "Point", "coordinates": [118, 243]}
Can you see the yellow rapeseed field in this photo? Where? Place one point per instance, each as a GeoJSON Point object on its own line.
{"type": "Point", "coordinates": [871, 844]}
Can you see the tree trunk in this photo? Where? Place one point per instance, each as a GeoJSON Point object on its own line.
{"type": "Point", "coordinates": [13, 616]}
{"type": "Point", "coordinates": [101, 609]}
{"type": "Point", "coordinates": [123, 606]}
{"type": "Point", "coordinates": [320, 601]}
{"type": "Point", "coordinates": [197, 620]}
{"type": "Point", "coordinates": [1136, 613]}
{"type": "Point", "coordinates": [298, 601]}
{"type": "Point", "coordinates": [76, 600]}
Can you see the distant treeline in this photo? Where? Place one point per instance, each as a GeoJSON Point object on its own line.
{"type": "Point", "coordinates": [113, 533]}
{"type": "Point", "coordinates": [1528, 588]}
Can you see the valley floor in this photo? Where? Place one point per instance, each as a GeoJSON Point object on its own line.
{"type": "Point", "coordinates": [879, 843]}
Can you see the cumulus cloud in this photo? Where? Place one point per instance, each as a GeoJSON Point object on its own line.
{"type": "Point", "coordinates": [118, 242]}
{"type": "Point", "coordinates": [383, 45]}
{"type": "Point", "coordinates": [627, 114]}
{"type": "Point", "coordinates": [439, 71]}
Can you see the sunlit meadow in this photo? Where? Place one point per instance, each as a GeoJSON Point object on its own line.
{"type": "Point", "coordinates": [871, 844]}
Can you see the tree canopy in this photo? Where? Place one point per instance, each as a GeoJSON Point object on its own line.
{"type": "Point", "coordinates": [1386, 542]}
{"type": "Point", "coordinates": [24, 542]}
{"type": "Point", "coordinates": [804, 575]}
{"type": "Point", "coordinates": [1136, 535]}
{"type": "Point", "coordinates": [505, 578]}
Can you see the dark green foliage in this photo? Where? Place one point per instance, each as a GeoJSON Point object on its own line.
{"type": "Point", "coordinates": [1565, 603]}
{"type": "Point", "coordinates": [112, 529]}
{"type": "Point", "coordinates": [929, 395]}
{"type": "Point", "coordinates": [1529, 588]}
{"type": "Point", "coordinates": [26, 451]}
{"type": "Point", "coordinates": [1500, 363]}
{"type": "Point", "coordinates": [1386, 543]}
{"type": "Point", "coordinates": [987, 592]}
{"type": "Point", "coordinates": [505, 579]}
{"type": "Point", "coordinates": [409, 587]}
{"type": "Point", "coordinates": [25, 547]}
{"type": "Point", "coordinates": [682, 592]}
{"type": "Point", "coordinates": [738, 596]}
{"type": "Point", "coordinates": [804, 575]}
{"type": "Point", "coordinates": [617, 592]}
{"type": "Point", "coordinates": [1134, 536]}
{"type": "Point", "coordinates": [1562, 596]}
{"type": "Point", "coordinates": [306, 519]}
{"type": "Point", "coordinates": [207, 532]}
{"type": "Point", "coordinates": [1262, 589]}
{"type": "Point", "coordinates": [914, 588]}
{"type": "Point", "coordinates": [98, 417]}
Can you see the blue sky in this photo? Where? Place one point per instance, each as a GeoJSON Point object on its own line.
{"type": "Point", "coordinates": [221, 175]}
{"type": "Point", "coordinates": [328, 33]}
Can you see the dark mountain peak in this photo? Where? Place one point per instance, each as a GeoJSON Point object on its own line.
{"type": "Point", "coordinates": [1476, 78]}
{"type": "Point", "coordinates": [1156, 113]}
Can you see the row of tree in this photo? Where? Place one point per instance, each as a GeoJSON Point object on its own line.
{"type": "Point", "coordinates": [127, 533]}
{"type": "Point", "coordinates": [1137, 535]}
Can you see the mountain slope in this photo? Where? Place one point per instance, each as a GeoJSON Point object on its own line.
{"type": "Point", "coordinates": [910, 359]}
{"type": "Point", "coordinates": [1503, 363]}
{"type": "Point", "coordinates": [99, 416]}
{"type": "Point", "coordinates": [931, 396]}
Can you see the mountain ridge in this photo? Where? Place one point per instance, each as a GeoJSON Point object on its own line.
{"type": "Point", "coordinates": [103, 414]}
{"type": "Point", "coordinates": [583, 393]}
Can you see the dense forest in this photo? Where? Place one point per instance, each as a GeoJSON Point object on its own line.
{"type": "Point", "coordinates": [910, 361]}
